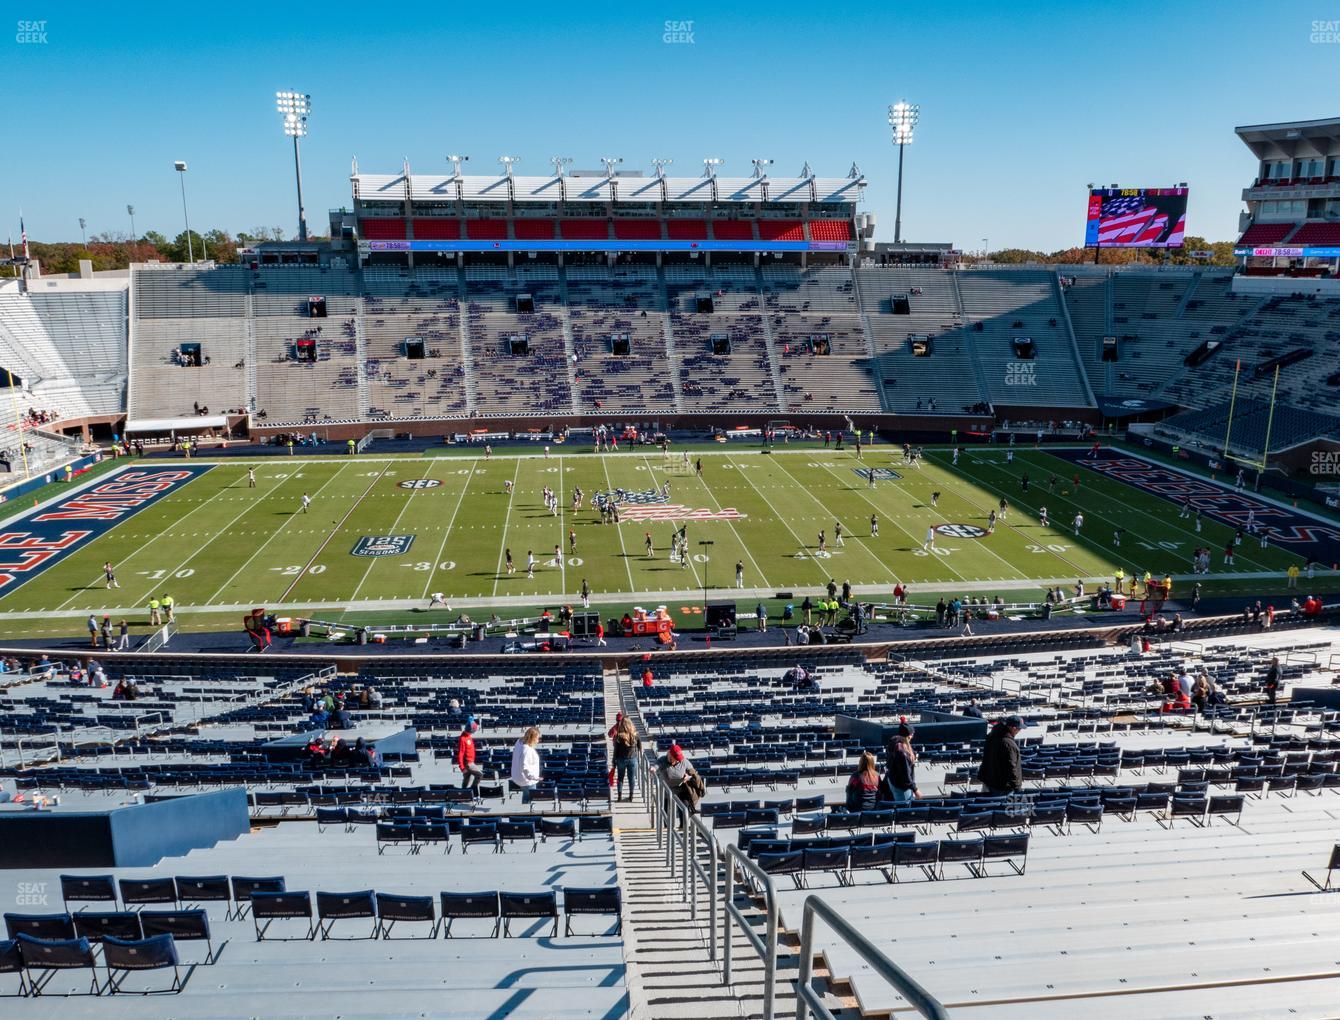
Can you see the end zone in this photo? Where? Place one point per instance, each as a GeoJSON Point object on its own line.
{"type": "Point", "coordinates": [42, 537]}
{"type": "Point", "coordinates": [1292, 530]}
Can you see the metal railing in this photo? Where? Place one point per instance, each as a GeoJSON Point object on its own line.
{"type": "Point", "coordinates": [159, 638]}
{"type": "Point", "coordinates": [689, 847]}
{"type": "Point", "coordinates": [810, 1003]}
{"type": "Point", "coordinates": [765, 946]}
{"type": "Point", "coordinates": [699, 862]}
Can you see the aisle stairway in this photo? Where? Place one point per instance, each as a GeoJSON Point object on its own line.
{"type": "Point", "coordinates": [666, 950]}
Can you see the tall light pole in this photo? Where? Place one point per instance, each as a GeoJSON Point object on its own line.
{"type": "Point", "coordinates": [83, 233]}
{"type": "Point", "coordinates": [986, 249]}
{"type": "Point", "coordinates": [294, 108]}
{"type": "Point", "coordinates": [134, 238]}
{"type": "Point", "coordinates": [903, 119]}
{"type": "Point", "coordinates": [180, 167]}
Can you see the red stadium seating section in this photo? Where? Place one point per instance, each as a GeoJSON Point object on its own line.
{"type": "Point", "coordinates": [383, 230]}
{"type": "Point", "coordinates": [781, 230]}
{"type": "Point", "coordinates": [1266, 233]}
{"type": "Point", "coordinates": [830, 230]}
{"type": "Point", "coordinates": [1317, 233]}
{"type": "Point", "coordinates": [687, 230]}
{"type": "Point", "coordinates": [637, 230]}
{"type": "Point", "coordinates": [584, 230]}
{"type": "Point", "coordinates": [733, 230]}
{"type": "Point", "coordinates": [538, 230]}
{"type": "Point", "coordinates": [486, 230]}
{"type": "Point", "coordinates": [434, 228]}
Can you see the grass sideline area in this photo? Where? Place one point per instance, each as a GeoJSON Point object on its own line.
{"type": "Point", "coordinates": [219, 547]}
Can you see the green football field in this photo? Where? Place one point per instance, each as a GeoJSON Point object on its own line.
{"type": "Point", "coordinates": [445, 523]}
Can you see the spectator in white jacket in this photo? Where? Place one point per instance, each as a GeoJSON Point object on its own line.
{"type": "Point", "coordinates": [526, 760]}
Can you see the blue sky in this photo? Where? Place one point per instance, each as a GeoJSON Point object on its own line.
{"type": "Point", "coordinates": [1021, 104]}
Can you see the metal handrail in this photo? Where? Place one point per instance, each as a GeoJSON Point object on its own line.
{"type": "Point", "coordinates": [684, 829]}
{"type": "Point", "coordinates": [766, 947]}
{"type": "Point", "coordinates": [810, 1003]}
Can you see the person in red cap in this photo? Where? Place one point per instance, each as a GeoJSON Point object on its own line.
{"type": "Point", "coordinates": [465, 755]}
{"type": "Point", "coordinates": [901, 769]}
{"type": "Point", "coordinates": [681, 777]}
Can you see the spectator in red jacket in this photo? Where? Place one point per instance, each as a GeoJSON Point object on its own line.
{"type": "Point", "coordinates": [465, 755]}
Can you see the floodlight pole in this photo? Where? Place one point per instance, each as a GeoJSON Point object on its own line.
{"type": "Point", "coordinates": [903, 118]}
{"type": "Point", "coordinates": [190, 248]}
{"type": "Point", "coordinates": [297, 169]}
{"type": "Point", "coordinates": [295, 107]}
{"type": "Point", "coordinates": [898, 213]}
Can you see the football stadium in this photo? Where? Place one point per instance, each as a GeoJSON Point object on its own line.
{"type": "Point", "coordinates": [635, 589]}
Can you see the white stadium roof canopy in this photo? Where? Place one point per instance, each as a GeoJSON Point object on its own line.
{"type": "Point", "coordinates": [620, 188]}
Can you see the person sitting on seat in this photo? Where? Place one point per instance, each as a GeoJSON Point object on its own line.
{"type": "Point", "coordinates": [119, 691]}
{"type": "Point", "coordinates": [863, 786]}
{"type": "Point", "coordinates": [374, 757]}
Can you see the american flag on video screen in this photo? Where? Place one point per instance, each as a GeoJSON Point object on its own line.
{"type": "Point", "coordinates": [1133, 220]}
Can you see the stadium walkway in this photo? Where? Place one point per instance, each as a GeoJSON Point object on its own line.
{"type": "Point", "coordinates": [868, 591]}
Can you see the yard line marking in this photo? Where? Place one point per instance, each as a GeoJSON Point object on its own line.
{"type": "Point", "coordinates": [785, 523]}
{"type": "Point", "coordinates": [856, 538]}
{"type": "Point", "coordinates": [273, 535]}
{"type": "Point", "coordinates": [730, 524]}
{"type": "Point", "coordinates": [507, 519]}
{"type": "Point", "coordinates": [447, 534]}
{"type": "Point", "coordinates": [632, 585]}
{"type": "Point", "coordinates": [562, 538]}
{"type": "Point", "coordinates": [697, 581]}
{"type": "Point", "coordinates": [223, 530]}
{"type": "Point", "coordinates": [321, 548]}
{"type": "Point", "coordinates": [395, 527]}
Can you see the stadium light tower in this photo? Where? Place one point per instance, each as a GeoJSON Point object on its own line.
{"type": "Point", "coordinates": [710, 165]}
{"type": "Point", "coordinates": [610, 163]}
{"type": "Point", "coordinates": [456, 162]}
{"type": "Point", "coordinates": [903, 119]}
{"type": "Point", "coordinates": [294, 108]}
{"type": "Point", "coordinates": [180, 167]}
{"type": "Point", "coordinates": [83, 232]}
{"type": "Point", "coordinates": [759, 164]}
{"type": "Point", "coordinates": [660, 165]}
{"type": "Point", "coordinates": [559, 163]}
{"type": "Point", "coordinates": [507, 162]}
